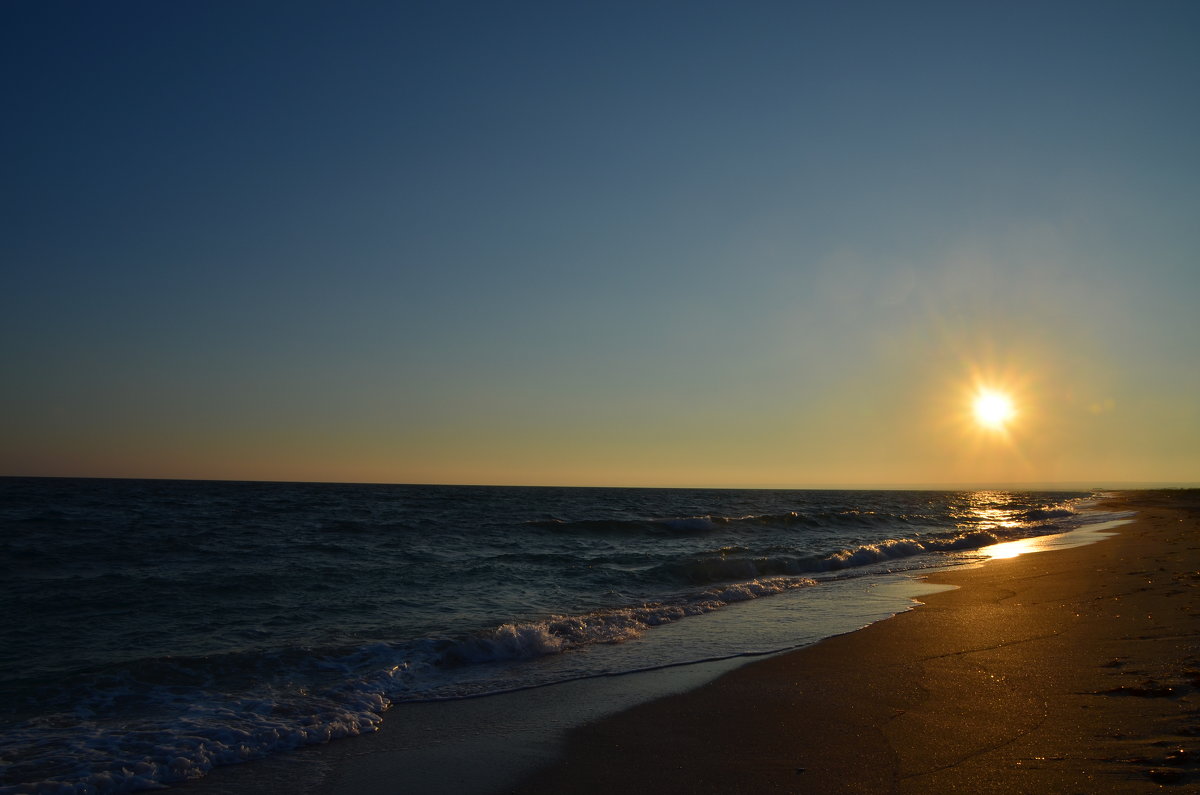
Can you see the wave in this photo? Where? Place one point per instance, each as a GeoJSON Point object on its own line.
{"type": "Point", "coordinates": [147, 749]}
{"type": "Point", "coordinates": [844, 519]}
{"type": "Point", "coordinates": [678, 525]}
{"type": "Point", "coordinates": [826, 517]}
{"type": "Point", "coordinates": [559, 633]}
{"type": "Point", "coordinates": [709, 522]}
{"type": "Point", "coordinates": [723, 566]}
{"type": "Point", "coordinates": [269, 702]}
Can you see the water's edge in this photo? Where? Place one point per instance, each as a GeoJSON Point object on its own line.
{"type": "Point", "coordinates": [507, 736]}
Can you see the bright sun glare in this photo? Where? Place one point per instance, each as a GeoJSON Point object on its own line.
{"type": "Point", "coordinates": [993, 409]}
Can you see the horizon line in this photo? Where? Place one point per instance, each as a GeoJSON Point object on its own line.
{"type": "Point", "coordinates": [1067, 485]}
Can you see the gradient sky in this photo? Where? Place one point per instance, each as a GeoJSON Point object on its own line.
{"type": "Point", "coordinates": [600, 243]}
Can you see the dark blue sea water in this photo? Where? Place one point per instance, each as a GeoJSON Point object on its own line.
{"type": "Point", "coordinates": [153, 629]}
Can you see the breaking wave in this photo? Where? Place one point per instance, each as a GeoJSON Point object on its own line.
{"type": "Point", "coordinates": [294, 698]}
{"type": "Point", "coordinates": [557, 634]}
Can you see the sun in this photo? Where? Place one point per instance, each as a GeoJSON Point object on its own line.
{"type": "Point", "coordinates": [993, 410]}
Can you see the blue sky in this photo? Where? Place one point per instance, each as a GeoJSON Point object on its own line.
{"type": "Point", "coordinates": [600, 243]}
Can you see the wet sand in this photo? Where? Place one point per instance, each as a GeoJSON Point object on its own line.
{"type": "Point", "coordinates": [1069, 671]}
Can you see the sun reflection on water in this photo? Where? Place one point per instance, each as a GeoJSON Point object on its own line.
{"type": "Point", "coordinates": [987, 509]}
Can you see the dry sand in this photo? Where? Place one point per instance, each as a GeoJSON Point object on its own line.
{"type": "Point", "coordinates": [1068, 671]}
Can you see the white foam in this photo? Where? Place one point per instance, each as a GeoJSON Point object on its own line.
{"type": "Point", "coordinates": [560, 633]}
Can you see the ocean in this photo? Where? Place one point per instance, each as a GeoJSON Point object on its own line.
{"type": "Point", "coordinates": [152, 630]}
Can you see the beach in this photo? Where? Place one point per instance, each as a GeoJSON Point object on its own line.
{"type": "Point", "coordinates": [424, 625]}
{"type": "Point", "coordinates": [1068, 671]}
{"type": "Point", "coordinates": [547, 398]}
{"type": "Point", "coordinates": [1074, 670]}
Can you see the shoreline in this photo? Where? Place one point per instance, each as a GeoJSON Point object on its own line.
{"type": "Point", "coordinates": [1073, 671]}
{"type": "Point", "coordinates": [829, 709]}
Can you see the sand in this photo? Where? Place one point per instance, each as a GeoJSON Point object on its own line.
{"type": "Point", "coordinates": [1067, 671]}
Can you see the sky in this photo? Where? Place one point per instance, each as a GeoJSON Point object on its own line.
{"type": "Point", "coordinates": [731, 244]}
